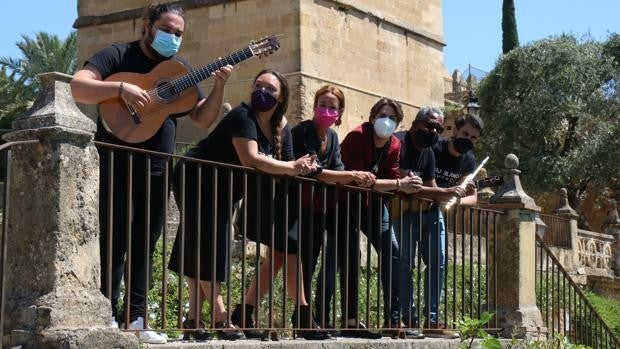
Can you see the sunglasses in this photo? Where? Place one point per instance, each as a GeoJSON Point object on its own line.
{"type": "Point", "coordinates": [432, 126]}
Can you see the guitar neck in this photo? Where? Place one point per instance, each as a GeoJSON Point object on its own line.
{"type": "Point", "coordinates": [195, 76]}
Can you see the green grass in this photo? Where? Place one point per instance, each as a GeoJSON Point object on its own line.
{"type": "Point", "coordinates": [462, 295]}
{"type": "Point", "coordinates": [608, 308]}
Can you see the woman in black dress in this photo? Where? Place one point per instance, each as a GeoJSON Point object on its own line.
{"type": "Point", "coordinates": [253, 135]}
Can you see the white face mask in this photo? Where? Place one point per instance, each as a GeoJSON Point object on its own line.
{"type": "Point", "coordinates": [384, 127]}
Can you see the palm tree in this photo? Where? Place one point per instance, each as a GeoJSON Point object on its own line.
{"type": "Point", "coordinates": [18, 82]}
{"type": "Point", "coordinates": [11, 101]}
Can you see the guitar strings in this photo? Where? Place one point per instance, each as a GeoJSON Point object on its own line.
{"type": "Point", "coordinates": [196, 75]}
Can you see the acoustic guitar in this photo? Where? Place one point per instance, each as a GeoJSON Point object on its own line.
{"type": "Point", "coordinates": [172, 88]}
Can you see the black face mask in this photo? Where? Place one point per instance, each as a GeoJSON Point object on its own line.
{"type": "Point", "coordinates": [262, 100]}
{"type": "Point", "coordinates": [425, 139]}
{"type": "Point", "coordinates": [462, 145]}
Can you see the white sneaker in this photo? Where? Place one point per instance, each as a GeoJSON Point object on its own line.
{"type": "Point", "coordinates": [113, 323]}
{"type": "Point", "coordinates": [146, 336]}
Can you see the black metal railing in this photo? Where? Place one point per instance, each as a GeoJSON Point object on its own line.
{"type": "Point", "coordinates": [226, 202]}
{"type": "Point", "coordinates": [564, 307]}
{"type": "Point", "coordinates": [464, 282]}
{"type": "Point", "coordinates": [557, 233]}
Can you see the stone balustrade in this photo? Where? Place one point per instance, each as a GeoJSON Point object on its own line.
{"type": "Point", "coordinates": [595, 250]}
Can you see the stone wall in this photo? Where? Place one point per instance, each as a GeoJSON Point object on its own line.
{"type": "Point", "coordinates": [370, 56]}
{"type": "Point", "coordinates": [369, 48]}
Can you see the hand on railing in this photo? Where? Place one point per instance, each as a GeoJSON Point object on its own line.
{"type": "Point", "coordinates": [410, 184]}
{"type": "Point", "coordinates": [363, 178]}
{"type": "Point", "coordinates": [304, 165]}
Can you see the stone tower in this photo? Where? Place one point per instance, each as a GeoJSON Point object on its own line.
{"type": "Point", "coordinates": [369, 48]}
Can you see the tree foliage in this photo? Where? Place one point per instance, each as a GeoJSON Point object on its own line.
{"type": "Point", "coordinates": [510, 36]}
{"type": "Point", "coordinates": [555, 104]}
{"type": "Point", "coordinates": [41, 54]}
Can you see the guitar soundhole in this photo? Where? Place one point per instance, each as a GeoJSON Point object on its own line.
{"type": "Point", "coordinates": [166, 92]}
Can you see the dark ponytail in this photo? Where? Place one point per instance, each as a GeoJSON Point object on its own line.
{"type": "Point", "coordinates": [154, 12]}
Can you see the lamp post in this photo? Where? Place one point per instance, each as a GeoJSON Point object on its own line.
{"type": "Point", "coordinates": [472, 106]}
{"type": "Point", "coordinates": [541, 227]}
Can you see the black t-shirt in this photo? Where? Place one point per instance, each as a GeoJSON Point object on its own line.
{"type": "Point", "coordinates": [306, 141]}
{"type": "Point", "coordinates": [449, 169]}
{"type": "Point", "coordinates": [240, 122]}
{"type": "Point", "coordinates": [129, 57]}
{"type": "Point", "coordinates": [421, 163]}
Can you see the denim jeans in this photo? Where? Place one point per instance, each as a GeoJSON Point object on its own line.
{"type": "Point", "coordinates": [376, 224]}
{"type": "Point", "coordinates": [430, 238]}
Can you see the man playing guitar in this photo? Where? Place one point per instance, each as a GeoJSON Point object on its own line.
{"type": "Point", "coordinates": [162, 31]}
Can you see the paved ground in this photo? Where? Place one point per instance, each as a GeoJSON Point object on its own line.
{"type": "Point", "coordinates": [336, 343]}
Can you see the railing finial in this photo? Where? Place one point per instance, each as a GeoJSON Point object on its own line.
{"type": "Point", "coordinates": [564, 206]}
{"type": "Point", "coordinates": [511, 193]}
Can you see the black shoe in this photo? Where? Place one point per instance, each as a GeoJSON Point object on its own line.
{"type": "Point", "coordinates": [412, 333]}
{"type": "Point", "coordinates": [333, 332]}
{"type": "Point", "coordinates": [311, 330]}
{"type": "Point", "coordinates": [361, 331]}
{"type": "Point", "coordinates": [228, 331]}
{"type": "Point", "coordinates": [439, 330]}
{"type": "Point", "coordinates": [199, 334]}
{"type": "Point", "coordinates": [394, 330]}
{"type": "Point", "coordinates": [237, 319]}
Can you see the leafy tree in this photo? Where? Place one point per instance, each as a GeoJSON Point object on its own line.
{"type": "Point", "coordinates": [11, 98]}
{"type": "Point", "coordinates": [41, 54]}
{"type": "Point", "coordinates": [510, 36]}
{"type": "Point", "coordinates": [555, 103]}
{"type": "Point", "coordinates": [612, 47]}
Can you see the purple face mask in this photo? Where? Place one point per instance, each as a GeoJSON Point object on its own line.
{"type": "Point", "coordinates": [262, 100]}
{"type": "Point", "coordinates": [325, 117]}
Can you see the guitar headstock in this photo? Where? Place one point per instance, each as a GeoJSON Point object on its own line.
{"type": "Point", "coordinates": [265, 46]}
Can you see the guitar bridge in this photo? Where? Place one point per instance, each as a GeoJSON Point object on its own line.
{"type": "Point", "coordinates": [134, 116]}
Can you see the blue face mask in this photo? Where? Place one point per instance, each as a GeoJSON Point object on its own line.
{"type": "Point", "coordinates": [166, 44]}
{"type": "Point", "coordinates": [384, 127]}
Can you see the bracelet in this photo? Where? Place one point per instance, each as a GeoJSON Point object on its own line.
{"type": "Point", "coordinates": [397, 184]}
{"type": "Point", "coordinates": [120, 89]}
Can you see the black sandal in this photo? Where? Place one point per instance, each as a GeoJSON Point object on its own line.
{"type": "Point", "coordinates": [228, 331]}
{"type": "Point", "coordinates": [199, 333]}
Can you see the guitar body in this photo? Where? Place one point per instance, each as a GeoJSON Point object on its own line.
{"type": "Point", "coordinates": [172, 88]}
{"type": "Point", "coordinates": [118, 120]}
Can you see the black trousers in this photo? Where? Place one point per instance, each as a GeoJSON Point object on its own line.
{"type": "Point", "coordinates": [144, 234]}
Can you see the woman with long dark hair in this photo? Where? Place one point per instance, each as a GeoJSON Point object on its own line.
{"type": "Point", "coordinates": [253, 135]}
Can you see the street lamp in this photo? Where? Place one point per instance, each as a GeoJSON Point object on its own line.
{"type": "Point", "coordinates": [540, 226]}
{"type": "Point", "coordinates": [472, 106]}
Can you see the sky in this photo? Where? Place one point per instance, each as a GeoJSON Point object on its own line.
{"type": "Point", "coordinates": [472, 28]}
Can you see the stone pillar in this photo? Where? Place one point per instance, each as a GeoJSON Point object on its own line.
{"type": "Point", "coordinates": [52, 287]}
{"type": "Point", "coordinates": [564, 210]}
{"type": "Point", "coordinates": [611, 226]}
{"type": "Point", "coordinates": [517, 312]}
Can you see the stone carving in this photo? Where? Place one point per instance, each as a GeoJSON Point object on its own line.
{"type": "Point", "coordinates": [563, 206]}
{"type": "Point", "coordinates": [594, 253]}
{"type": "Point", "coordinates": [511, 192]}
